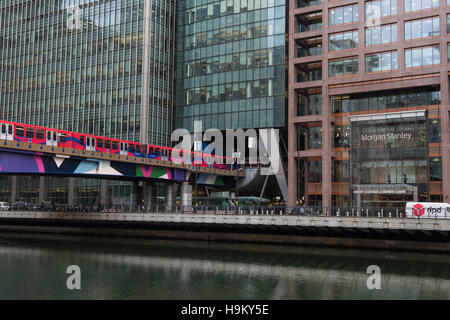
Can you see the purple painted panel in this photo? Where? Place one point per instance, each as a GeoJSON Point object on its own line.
{"type": "Point", "coordinates": [17, 162]}
{"type": "Point", "coordinates": [179, 175]}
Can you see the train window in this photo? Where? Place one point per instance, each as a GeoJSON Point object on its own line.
{"type": "Point", "coordinates": [62, 138]}
{"type": "Point", "coordinates": [138, 148]}
{"type": "Point", "coordinates": [54, 136]}
{"type": "Point", "coordinates": [29, 133]}
{"type": "Point", "coordinates": [49, 135]}
{"type": "Point", "coordinates": [99, 143]}
{"type": "Point", "coordinates": [107, 144]}
{"type": "Point", "coordinates": [3, 128]}
{"type": "Point", "coordinates": [131, 148]}
{"type": "Point", "coordinates": [82, 140]}
{"type": "Point", "coordinates": [115, 145]}
{"type": "Point", "coordinates": [151, 150]}
{"type": "Point", "coordinates": [40, 134]}
{"type": "Point", "coordinates": [20, 131]}
{"type": "Point", "coordinates": [10, 129]}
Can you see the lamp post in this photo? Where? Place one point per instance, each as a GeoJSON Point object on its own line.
{"type": "Point", "coordinates": [197, 149]}
{"type": "Point", "coordinates": [237, 156]}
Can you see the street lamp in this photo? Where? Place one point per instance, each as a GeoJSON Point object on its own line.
{"type": "Point", "coordinates": [197, 149]}
{"type": "Point", "coordinates": [237, 156]}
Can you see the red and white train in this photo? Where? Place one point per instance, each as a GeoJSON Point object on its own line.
{"type": "Point", "coordinates": [59, 138]}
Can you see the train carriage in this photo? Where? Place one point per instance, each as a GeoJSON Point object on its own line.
{"type": "Point", "coordinates": [59, 138]}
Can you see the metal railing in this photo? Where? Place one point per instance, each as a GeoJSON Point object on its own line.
{"type": "Point", "coordinates": [213, 209]}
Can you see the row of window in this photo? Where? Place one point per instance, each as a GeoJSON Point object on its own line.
{"type": "Point", "coordinates": [386, 61]}
{"type": "Point", "coordinates": [388, 100]}
{"type": "Point", "coordinates": [226, 7]}
{"type": "Point", "coordinates": [416, 29]}
{"type": "Point", "coordinates": [375, 9]}
{"type": "Point", "coordinates": [376, 172]}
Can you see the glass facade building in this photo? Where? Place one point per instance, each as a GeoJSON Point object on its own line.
{"type": "Point", "coordinates": [102, 67]}
{"type": "Point", "coordinates": [231, 64]}
{"type": "Point", "coordinates": [91, 66]}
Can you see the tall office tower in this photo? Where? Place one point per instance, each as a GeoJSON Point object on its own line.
{"type": "Point", "coordinates": [231, 64]}
{"type": "Point", "coordinates": [103, 67]}
{"type": "Point", "coordinates": [98, 67]}
{"type": "Point", "coordinates": [368, 102]}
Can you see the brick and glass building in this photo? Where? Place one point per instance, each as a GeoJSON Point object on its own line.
{"type": "Point", "coordinates": [368, 102]}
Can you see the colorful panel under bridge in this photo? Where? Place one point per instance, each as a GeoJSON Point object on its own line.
{"type": "Point", "coordinates": [17, 158]}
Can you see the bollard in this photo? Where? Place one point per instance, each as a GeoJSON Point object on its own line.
{"type": "Point", "coordinates": [390, 215]}
{"type": "Point", "coordinates": [353, 212]}
{"type": "Point", "coordinates": [338, 213]}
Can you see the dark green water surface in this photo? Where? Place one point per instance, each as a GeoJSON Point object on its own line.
{"type": "Point", "coordinates": [34, 267]}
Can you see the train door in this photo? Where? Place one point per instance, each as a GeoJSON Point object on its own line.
{"type": "Point", "coordinates": [52, 138]}
{"type": "Point", "coordinates": [90, 144]}
{"type": "Point", "coordinates": [124, 148]}
{"type": "Point", "coordinates": [6, 132]}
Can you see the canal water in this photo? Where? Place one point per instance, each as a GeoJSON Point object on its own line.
{"type": "Point", "coordinates": [34, 267]}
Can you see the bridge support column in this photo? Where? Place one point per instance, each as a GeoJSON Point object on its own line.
{"type": "Point", "coordinates": [43, 189]}
{"type": "Point", "coordinates": [186, 197]}
{"type": "Point", "coordinates": [14, 193]}
{"type": "Point", "coordinates": [105, 195]}
{"type": "Point", "coordinates": [150, 196]}
{"type": "Point", "coordinates": [134, 201]}
{"type": "Point", "coordinates": [72, 197]}
{"type": "Point", "coordinates": [171, 197]}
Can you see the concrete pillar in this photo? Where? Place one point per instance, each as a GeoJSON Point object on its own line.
{"type": "Point", "coordinates": [171, 196]}
{"type": "Point", "coordinates": [134, 201]}
{"type": "Point", "coordinates": [72, 197]}
{"type": "Point", "coordinates": [186, 197]}
{"type": "Point", "coordinates": [150, 196]}
{"type": "Point", "coordinates": [358, 201]}
{"type": "Point", "coordinates": [43, 189]}
{"type": "Point", "coordinates": [14, 193]}
{"type": "Point", "coordinates": [105, 194]}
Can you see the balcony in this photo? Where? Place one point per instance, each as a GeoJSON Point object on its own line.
{"type": "Point", "coordinates": [309, 75]}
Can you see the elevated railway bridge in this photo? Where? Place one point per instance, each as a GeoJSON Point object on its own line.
{"type": "Point", "coordinates": [19, 158]}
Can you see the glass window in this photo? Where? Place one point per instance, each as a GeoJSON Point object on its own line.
{"type": "Point", "coordinates": [341, 15]}
{"type": "Point", "coordinates": [424, 56]}
{"type": "Point", "coordinates": [343, 67]}
{"type": "Point", "coordinates": [340, 41]}
{"type": "Point", "coordinates": [422, 28]}
{"type": "Point", "coordinates": [414, 5]}
{"type": "Point", "coordinates": [382, 100]}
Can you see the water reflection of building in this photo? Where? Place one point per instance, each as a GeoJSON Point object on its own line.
{"type": "Point", "coordinates": [314, 277]}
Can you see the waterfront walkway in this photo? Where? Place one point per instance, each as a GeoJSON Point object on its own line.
{"type": "Point", "coordinates": [222, 218]}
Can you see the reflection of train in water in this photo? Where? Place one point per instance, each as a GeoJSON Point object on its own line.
{"type": "Point", "coordinates": [59, 138]}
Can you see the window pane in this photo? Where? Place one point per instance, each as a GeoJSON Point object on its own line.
{"type": "Point", "coordinates": [339, 16]}
{"type": "Point", "coordinates": [436, 55]}
{"type": "Point", "coordinates": [427, 28]}
{"type": "Point", "coordinates": [416, 57]}
{"type": "Point", "coordinates": [348, 14]}
{"type": "Point", "coordinates": [416, 29]}
{"type": "Point", "coordinates": [408, 59]}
